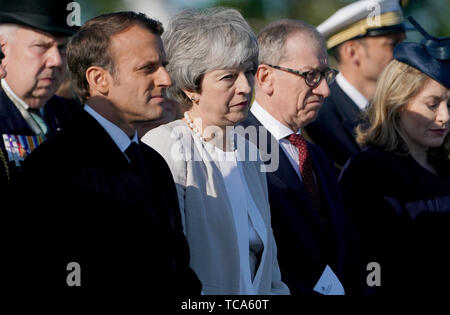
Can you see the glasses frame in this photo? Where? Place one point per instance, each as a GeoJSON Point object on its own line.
{"type": "Point", "coordinates": [323, 74]}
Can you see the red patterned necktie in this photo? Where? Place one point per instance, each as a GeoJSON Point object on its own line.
{"type": "Point", "coordinates": [306, 168]}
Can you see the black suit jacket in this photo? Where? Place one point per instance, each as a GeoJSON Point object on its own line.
{"type": "Point", "coordinates": [87, 205]}
{"type": "Point", "coordinates": [334, 128]}
{"type": "Point", "coordinates": [58, 113]}
{"type": "Point", "coordinates": [402, 214]}
{"type": "Point", "coordinates": [305, 245]}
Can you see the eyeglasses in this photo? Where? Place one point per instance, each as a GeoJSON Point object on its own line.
{"type": "Point", "coordinates": [312, 77]}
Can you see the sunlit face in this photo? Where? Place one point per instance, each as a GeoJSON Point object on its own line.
{"type": "Point", "coordinates": [136, 91]}
{"type": "Point", "coordinates": [295, 104]}
{"type": "Point", "coordinates": [225, 96]}
{"type": "Point", "coordinates": [35, 62]}
{"type": "Point", "coordinates": [377, 52]}
{"type": "Point", "coordinates": [425, 119]}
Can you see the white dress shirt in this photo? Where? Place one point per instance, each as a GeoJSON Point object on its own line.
{"type": "Point", "coordinates": [279, 132]}
{"type": "Point", "coordinates": [119, 137]}
{"type": "Point", "coordinates": [356, 96]}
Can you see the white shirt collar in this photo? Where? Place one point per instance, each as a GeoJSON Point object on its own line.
{"type": "Point", "coordinates": [119, 137]}
{"type": "Point", "coordinates": [14, 98]}
{"type": "Point", "coordinates": [356, 96]}
{"type": "Point", "coordinates": [275, 127]}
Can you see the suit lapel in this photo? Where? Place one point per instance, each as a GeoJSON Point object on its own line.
{"type": "Point", "coordinates": [106, 156]}
{"type": "Point", "coordinates": [286, 176]}
{"type": "Point", "coordinates": [331, 197]}
{"type": "Point", "coordinates": [255, 189]}
{"type": "Point", "coordinates": [11, 121]}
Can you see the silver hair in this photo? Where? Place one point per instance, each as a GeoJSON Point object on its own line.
{"type": "Point", "coordinates": [199, 41]}
{"type": "Point", "coordinates": [7, 31]}
{"type": "Point", "coordinates": [272, 39]}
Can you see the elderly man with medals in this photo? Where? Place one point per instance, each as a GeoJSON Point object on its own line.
{"type": "Point", "coordinates": [33, 36]}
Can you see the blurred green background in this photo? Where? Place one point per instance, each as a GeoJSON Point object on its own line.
{"type": "Point", "coordinates": [434, 15]}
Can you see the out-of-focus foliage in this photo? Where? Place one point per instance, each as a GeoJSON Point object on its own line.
{"type": "Point", "coordinates": [434, 15]}
{"type": "Point", "coordinates": [92, 8]}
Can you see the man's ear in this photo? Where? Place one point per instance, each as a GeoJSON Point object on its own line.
{"type": "Point", "coordinates": [99, 79]}
{"type": "Point", "coordinates": [4, 47]}
{"type": "Point", "coordinates": [350, 52]}
{"type": "Point", "coordinates": [264, 79]}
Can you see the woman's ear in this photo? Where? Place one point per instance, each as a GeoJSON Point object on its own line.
{"type": "Point", "coordinates": [193, 96]}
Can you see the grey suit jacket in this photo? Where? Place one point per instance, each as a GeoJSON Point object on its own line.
{"type": "Point", "coordinates": [207, 214]}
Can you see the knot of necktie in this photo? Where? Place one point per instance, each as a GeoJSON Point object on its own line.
{"type": "Point", "coordinates": [38, 118]}
{"type": "Point", "coordinates": [300, 143]}
{"type": "Point", "coordinates": [134, 154]}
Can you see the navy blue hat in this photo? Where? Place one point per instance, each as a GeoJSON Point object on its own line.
{"type": "Point", "coordinates": [431, 55]}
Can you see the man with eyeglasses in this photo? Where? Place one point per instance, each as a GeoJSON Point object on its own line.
{"type": "Point", "coordinates": [362, 42]}
{"type": "Point", "coordinates": [315, 242]}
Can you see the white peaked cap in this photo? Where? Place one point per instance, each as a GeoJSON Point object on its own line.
{"type": "Point", "coordinates": [360, 17]}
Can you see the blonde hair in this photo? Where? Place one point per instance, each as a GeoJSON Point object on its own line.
{"type": "Point", "coordinates": [396, 87]}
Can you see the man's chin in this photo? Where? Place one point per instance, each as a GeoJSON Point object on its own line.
{"type": "Point", "coordinates": [44, 92]}
{"type": "Point", "coordinates": [40, 98]}
{"type": "Point", "coordinates": [312, 117]}
{"type": "Point", "coordinates": [155, 114]}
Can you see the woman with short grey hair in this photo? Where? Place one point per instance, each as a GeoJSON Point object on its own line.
{"type": "Point", "coordinates": [212, 56]}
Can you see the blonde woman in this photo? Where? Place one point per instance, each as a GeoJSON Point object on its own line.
{"type": "Point", "coordinates": [398, 190]}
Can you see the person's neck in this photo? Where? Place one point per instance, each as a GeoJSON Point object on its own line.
{"type": "Point", "coordinates": [104, 109]}
{"type": "Point", "coordinates": [363, 85]}
{"type": "Point", "coordinates": [213, 134]}
{"type": "Point", "coordinates": [420, 155]}
{"type": "Point", "coordinates": [32, 102]}
{"type": "Point", "coordinates": [264, 103]}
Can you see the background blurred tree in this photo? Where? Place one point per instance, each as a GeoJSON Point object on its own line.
{"type": "Point", "coordinates": [434, 15]}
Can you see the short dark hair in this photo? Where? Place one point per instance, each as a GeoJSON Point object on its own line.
{"type": "Point", "coordinates": [90, 45]}
{"type": "Point", "coordinates": [336, 51]}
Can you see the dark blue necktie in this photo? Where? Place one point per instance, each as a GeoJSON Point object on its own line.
{"type": "Point", "coordinates": [135, 155]}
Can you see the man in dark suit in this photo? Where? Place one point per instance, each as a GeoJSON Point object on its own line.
{"type": "Point", "coordinates": [33, 36]}
{"type": "Point", "coordinates": [113, 222]}
{"type": "Point", "coordinates": [362, 47]}
{"type": "Point", "coordinates": [314, 240]}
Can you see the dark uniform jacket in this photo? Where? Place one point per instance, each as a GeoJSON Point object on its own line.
{"type": "Point", "coordinates": [57, 114]}
{"type": "Point", "coordinates": [334, 128]}
{"type": "Point", "coordinates": [402, 214]}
